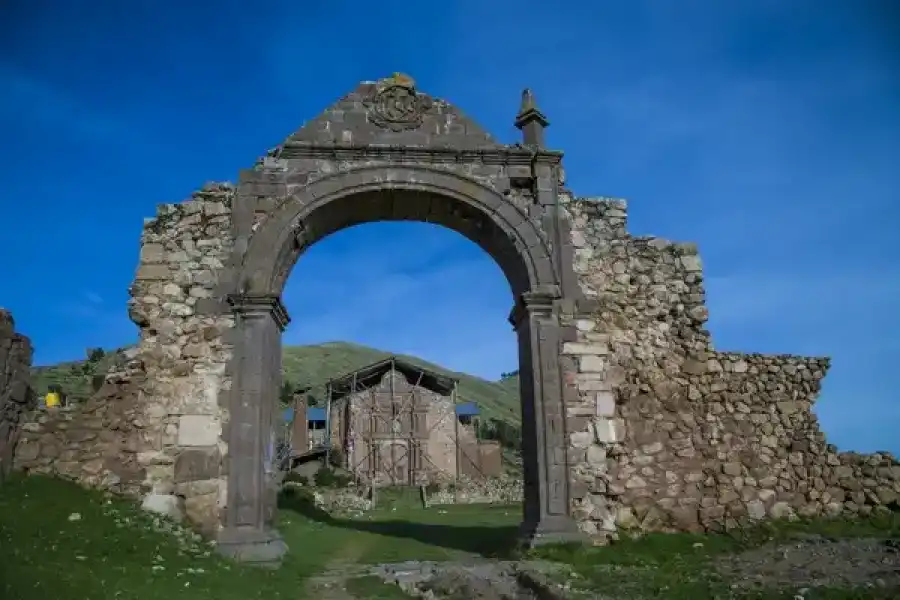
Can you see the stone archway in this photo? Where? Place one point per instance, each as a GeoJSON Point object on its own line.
{"type": "Point", "coordinates": [499, 197]}
{"type": "Point", "coordinates": [631, 419]}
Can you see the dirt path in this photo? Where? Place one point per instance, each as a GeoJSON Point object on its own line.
{"type": "Point", "coordinates": [330, 584]}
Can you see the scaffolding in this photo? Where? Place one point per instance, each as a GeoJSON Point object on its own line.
{"type": "Point", "coordinates": [397, 424]}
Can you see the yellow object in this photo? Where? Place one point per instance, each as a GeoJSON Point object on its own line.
{"type": "Point", "coordinates": [52, 399]}
{"type": "Point", "coordinates": [402, 79]}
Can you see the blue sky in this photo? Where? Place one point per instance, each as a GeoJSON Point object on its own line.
{"type": "Point", "coordinates": [765, 131]}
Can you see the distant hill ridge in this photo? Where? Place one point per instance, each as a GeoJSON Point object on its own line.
{"type": "Point", "coordinates": [312, 366]}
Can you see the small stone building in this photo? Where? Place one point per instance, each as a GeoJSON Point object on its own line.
{"type": "Point", "coordinates": [394, 423]}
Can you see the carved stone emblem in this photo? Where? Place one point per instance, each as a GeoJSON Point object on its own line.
{"type": "Point", "coordinates": [395, 104]}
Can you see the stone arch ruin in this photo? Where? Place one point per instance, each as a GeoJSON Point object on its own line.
{"type": "Point", "coordinates": [631, 419]}
{"type": "Point", "coordinates": [385, 152]}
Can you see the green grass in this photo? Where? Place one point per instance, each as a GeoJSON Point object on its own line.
{"type": "Point", "coordinates": [313, 366]}
{"type": "Point", "coordinates": [115, 551]}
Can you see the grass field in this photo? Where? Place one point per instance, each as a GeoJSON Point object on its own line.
{"type": "Point", "coordinates": [60, 541]}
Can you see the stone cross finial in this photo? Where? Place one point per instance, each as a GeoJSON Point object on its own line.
{"type": "Point", "coordinates": [531, 121]}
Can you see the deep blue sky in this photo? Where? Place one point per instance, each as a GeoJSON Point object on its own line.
{"type": "Point", "coordinates": [766, 131]}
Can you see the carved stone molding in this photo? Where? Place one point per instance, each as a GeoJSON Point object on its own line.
{"type": "Point", "coordinates": [501, 155]}
{"type": "Point", "coordinates": [257, 305]}
{"type": "Point", "coordinates": [396, 106]}
{"type": "Point", "coordinates": [539, 301]}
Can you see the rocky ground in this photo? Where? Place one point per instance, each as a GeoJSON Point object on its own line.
{"type": "Point", "coordinates": [815, 561]}
{"type": "Point", "coordinates": [464, 580]}
{"type": "Point", "coordinates": [791, 563]}
{"type": "Point", "coordinates": [804, 568]}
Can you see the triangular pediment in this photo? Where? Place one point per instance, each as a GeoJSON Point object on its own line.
{"type": "Point", "coordinates": [393, 112]}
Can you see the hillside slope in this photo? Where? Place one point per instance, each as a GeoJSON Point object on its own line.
{"type": "Point", "coordinates": [313, 366]}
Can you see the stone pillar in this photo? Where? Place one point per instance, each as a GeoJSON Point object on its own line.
{"type": "Point", "coordinates": [248, 533]}
{"type": "Point", "coordinates": [547, 514]}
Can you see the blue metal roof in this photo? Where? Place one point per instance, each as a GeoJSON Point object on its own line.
{"type": "Point", "coordinates": [467, 409]}
{"type": "Point", "coordinates": [312, 414]}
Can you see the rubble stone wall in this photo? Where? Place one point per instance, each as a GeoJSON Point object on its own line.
{"type": "Point", "coordinates": [501, 489]}
{"type": "Point", "coordinates": [155, 429]}
{"type": "Point", "coordinates": [96, 442]}
{"type": "Point", "coordinates": [16, 395]}
{"type": "Point", "coordinates": [668, 433]}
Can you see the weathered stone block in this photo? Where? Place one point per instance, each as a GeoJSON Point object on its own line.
{"type": "Point", "coordinates": [591, 364]}
{"type": "Point", "coordinates": [606, 431]}
{"type": "Point", "coordinates": [199, 464]}
{"type": "Point", "coordinates": [152, 253]}
{"type": "Point", "coordinates": [606, 404]}
{"type": "Point", "coordinates": [198, 430]}
{"type": "Point", "coordinates": [579, 348]}
{"type": "Point", "coordinates": [151, 272]}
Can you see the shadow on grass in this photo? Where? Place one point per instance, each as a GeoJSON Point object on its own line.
{"type": "Point", "coordinates": [485, 540]}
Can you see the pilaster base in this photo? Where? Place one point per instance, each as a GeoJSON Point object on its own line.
{"type": "Point", "coordinates": [550, 529]}
{"type": "Point", "coordinates": [256, 547]}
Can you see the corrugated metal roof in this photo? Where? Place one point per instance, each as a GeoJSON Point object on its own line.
{"type": "Point", "coordinates": [315, 414]}
{"type": "Point", "coordinates": [467, 409]}
{"type": "Point", "coordinates": [312, 414]}
{"type": "Point", "coordinates": [372, 374]}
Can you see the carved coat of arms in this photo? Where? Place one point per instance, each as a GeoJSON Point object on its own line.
{"type": "Point", "coordinates": [395, 105]}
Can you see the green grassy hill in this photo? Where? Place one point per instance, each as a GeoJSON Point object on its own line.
{"type": "Point", "coordinates": [313, 366]}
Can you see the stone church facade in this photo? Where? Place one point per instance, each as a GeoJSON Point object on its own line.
{"type": "Point", "coordinates": [631, 417]}
{"type": "Point", "coordinates": [395, 424]}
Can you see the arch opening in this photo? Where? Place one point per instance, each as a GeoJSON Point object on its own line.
{"type": "Point", "coordinates": [312, 224]}
{"type": "Point", "coordinates": [380, 193]}
{"type": "Point", "coordinates": [311, 212]}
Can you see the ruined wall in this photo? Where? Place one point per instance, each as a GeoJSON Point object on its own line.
{"type": "Point", "coordinates": [96, 442]}
{"type": "Point", "coordinates": [667, 433]}
{"type": "Point", "coordinates": [16, 394]}
{"type": "Point", "coordinates": [500, 489]}
{"type": "Point", "coordinates": [664, 431]}
{"type": "Point", "coordinates": [154, 430]}
{"type": "Point", "coordinates": [184, 350]}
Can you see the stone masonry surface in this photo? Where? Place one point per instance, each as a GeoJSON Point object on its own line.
{"type": "Point", "coordinates": [154, 429]}
{"type": "Point", "coordinates": [16, 394]}
{"type": "Point", "coordinates": [669, 434]}
{"type": "Point", "coordinates": [644, 425]}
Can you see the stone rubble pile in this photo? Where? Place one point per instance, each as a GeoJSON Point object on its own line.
{"type": "Point", "coordinates": [482, 490]}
